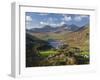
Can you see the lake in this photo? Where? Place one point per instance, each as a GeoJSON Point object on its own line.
{"type": "Point", "coordinates": [55, 43]}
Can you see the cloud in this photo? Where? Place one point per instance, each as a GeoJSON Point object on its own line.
{"type": "Point", "coordinates": [52, 21]}
{"type": "Point", "coordinates": [49, 21]}
{"type": "Point", "coordinates": [66, 18]}
{"type": "Point", "coordinates": [43, 23]}
{"type": "Point", "coordinates": [52, 24]}
{"type": "Point", "coordinates": [28, 18]}
{"type": "Point", "coordinates": [79, 18]}
{"type": "Point", "coordinates": [28, 22]}
{"type": "Point", "coordinates": [62, 23]}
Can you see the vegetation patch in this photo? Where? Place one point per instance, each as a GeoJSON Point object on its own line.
{"type": "Point", "coordinates": [47, 53]}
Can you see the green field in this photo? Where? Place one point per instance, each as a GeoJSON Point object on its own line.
{"type": "Point", "coordinates": [47, 53]}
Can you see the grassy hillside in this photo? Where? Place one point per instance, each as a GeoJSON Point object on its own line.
{"type": "Point", "coordinates": [33, 46]}
{"type": "Point", "coordinates": [32, 41]}
{"type": "Point", "coordinates": [50, 35]}
{"type": "Point", "coordinates": [79, 39]}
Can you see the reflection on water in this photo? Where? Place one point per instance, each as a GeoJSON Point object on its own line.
{"type": "Point", "coordinates": [55, 43]}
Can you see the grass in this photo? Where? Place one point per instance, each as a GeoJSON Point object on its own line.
{"type": "Point", "coordinates": [85, 53]}
{"type": "Point", "coordinates": [50, 35]}
{"type": "Point", "coordinates": [47, 53]}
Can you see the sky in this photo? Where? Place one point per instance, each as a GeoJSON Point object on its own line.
{"type": "Point", "coordinates": [38, 20]}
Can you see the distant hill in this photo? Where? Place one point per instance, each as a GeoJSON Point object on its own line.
{"type": "Point", "coordinates": [83, 27]}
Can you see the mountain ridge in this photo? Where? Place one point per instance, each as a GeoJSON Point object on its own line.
{"type": "Point", "coordinates": [48, 28]}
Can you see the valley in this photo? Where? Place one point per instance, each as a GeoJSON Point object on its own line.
{"type": "Point", "coordinates": [57, 46]}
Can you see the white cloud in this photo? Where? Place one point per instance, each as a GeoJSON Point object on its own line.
{"type": "Point", "coordinates": [66, 18]}
{"type": "Point", "coordinates": [49, 21]}
{"type": "Point", "coordinates": [62, 23]}
{"type": "Point", "coordinates": [52, 24]}
{"type": "Point", "coordinates": [44, 23]}
{"type": "Point", "coordinates": [79, 18]}
{"type": "Point", "coordinates": [28, 18]}
{"type": "Point", "coordinates": [41, 22]}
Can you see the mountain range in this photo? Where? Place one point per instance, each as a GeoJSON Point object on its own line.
{"type": "Point", "coordinates": [48, 28]}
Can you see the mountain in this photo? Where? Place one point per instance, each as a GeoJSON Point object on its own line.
{"type": "Point", "coordinates": [82, 28]}
{"type": "Point", "coordinates": [48, 28]}
{"type": "Point", "coordinates": [34, 41]}
{"type": "Point", "coordinates": [73, 27]}
{"type": "Point", "coordinates": [79, 38]}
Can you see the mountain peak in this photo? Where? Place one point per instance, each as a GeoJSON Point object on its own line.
{"type": "Point", "coordinates": [47, 26]}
